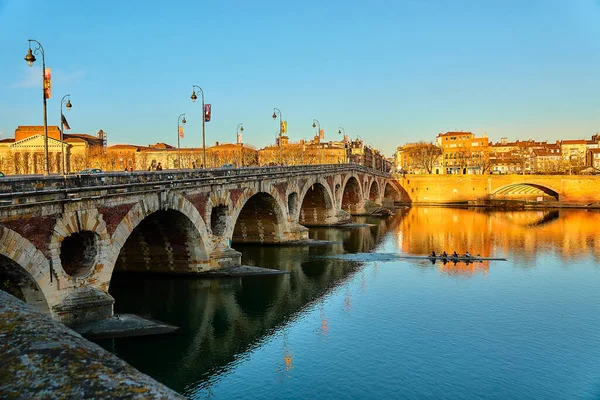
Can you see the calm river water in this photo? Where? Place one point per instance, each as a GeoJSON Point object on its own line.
{"type": "Point", "coordinates": [367, 327]}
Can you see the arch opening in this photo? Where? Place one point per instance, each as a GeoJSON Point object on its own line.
{"type": "Point", "coordinates": [316, 206]}
{"type": "Point", "coordinates": [526, 192]}
{"type": "Point", "coordinates": [351, 197]}
{"type": "Point", "coordinates": [16, 281]}
{"type": "Point", "coordinates": [374, 192]}
{"type": "Point", "coordinates": [259, 221]}
{"type": "Point", "coordinates": [79, 253]}
{"type": "Point", "coordinates": [218, 220]}
{"type": "Point", "coordinates": [166, 241]}
{"type": "Point", "coordinates": [391, 195]}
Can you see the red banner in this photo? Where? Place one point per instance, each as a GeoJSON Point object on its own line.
{"type": "Point", "coordinates": [181, 131]}
{"type": "Point", "coordinates": [47, 83]}
{"type": "Point", "coordinates": [207, 110]}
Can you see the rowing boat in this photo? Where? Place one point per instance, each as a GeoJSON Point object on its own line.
{"type": "Point", "coordinates": [452, 258]}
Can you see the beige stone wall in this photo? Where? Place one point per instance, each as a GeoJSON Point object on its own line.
{"type": "Point", "coordinates": [572, 189]}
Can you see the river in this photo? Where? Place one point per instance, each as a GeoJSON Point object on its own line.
{"type": "Point", "coordinates": [367, 326]}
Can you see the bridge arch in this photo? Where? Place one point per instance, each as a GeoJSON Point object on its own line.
{"type": "Point", "coordinates": [526, 191]}
{"type": "Point", "coordinates": [374, 191]}
{"type": "Point", "coordinates": [352, 200]}
{"type": "Point", "coordinates": [24, 270]}
{"type": "Point", "coordinates": [394, 193]}
{"type": "Point", "coordinates": [259, 217]}
{"type": "Point", "coordinates": [161, 233]}
{"type": "Point", "coordinates": [317, 206]}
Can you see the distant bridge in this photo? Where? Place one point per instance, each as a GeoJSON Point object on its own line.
{"type": "Point", "coordinates": [61, 238]}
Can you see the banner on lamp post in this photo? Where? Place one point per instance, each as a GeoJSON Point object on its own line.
{"type": "Point", "coordinates": [47, 83]}
{"type": "Point", "coordinates": [181, 132]}
{"type": "Point", "coordinates": [207, 111]}
{"type": "Point", "coordinates": [283, 127]}
{"type": "Point", "coordinates": [322, 134]}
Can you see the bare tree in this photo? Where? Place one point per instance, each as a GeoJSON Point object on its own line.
{"type": "Point", "coordinates": [424, 156]}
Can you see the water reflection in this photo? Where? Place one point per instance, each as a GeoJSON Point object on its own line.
{"type": "Point", "coordinates": [222, 321]}
{"type": "Point", "coordinates": [521, 234]}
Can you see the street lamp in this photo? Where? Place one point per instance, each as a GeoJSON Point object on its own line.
{"type": "Point", "coordinates": [182, 121]}
{"type": "Point", "coordinates": [275, 112]}
{"type": "Point", "coordinates": [317, 124]}
{"type": "Point", "coordinates": [340, 131]}
{"type": "Point", "coordinates": [240, 128]}
{"type": "Point", "coordinates": [30, 58]}
{"type": "Point", "coordinates": [196, 89]}
{"type": "Point", "coordinates": [67, 104]}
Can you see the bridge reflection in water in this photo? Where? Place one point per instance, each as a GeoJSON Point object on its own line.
{"type": "Point", "coordinates": [223, 320]}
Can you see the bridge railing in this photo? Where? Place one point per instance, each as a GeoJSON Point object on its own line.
{"type": "Point", "coordinates": [13, 189]}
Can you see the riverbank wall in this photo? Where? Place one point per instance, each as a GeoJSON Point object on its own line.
{"type": "Point", "coordinates": [549, 190]}
{"type": "Point", "coordinates": [42, 358]}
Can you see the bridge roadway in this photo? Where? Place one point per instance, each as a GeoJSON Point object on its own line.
{"type": "Point", "coordinates": [61, 238]}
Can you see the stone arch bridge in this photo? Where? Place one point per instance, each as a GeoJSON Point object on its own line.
{"type": "Point", "coordinates": [61, 238]}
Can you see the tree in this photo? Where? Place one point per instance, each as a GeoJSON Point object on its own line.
{"type": "Point", "coordinates": [424, 156]}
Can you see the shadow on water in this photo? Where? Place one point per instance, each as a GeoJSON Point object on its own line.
{"type": "Point", "coordinates": [222, 319]}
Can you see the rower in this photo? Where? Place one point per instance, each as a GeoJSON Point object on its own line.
{"type": "Point", "coordinates": [455, 254]}
{"type": "Point", "coordinates": [467, 254]}
{"type": "Point", "coordinates": [444, 254]}
{"type": "Point", "coordinates": [433, 254]}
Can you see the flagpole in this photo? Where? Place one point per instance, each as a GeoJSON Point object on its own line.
{"type": "Point", "coordinates": [62, 127]}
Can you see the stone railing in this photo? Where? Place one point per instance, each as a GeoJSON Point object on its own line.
{"type": "Point", "coordinates": [22, 189]}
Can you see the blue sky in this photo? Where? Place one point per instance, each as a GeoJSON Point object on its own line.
{"type": "Point", "coordinates": [389, 72]}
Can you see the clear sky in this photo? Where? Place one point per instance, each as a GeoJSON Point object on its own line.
{"type": "Point", "coordinates": [389, 72]}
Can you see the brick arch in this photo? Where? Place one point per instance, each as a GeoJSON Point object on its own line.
{"type": "Point", "coordinates": [71, 224]}
{"type": "Point", "coordinates": [145, 208]}
{"type": "Point", "coordinates": [321, 213]}
{"type": "Point", "coordinates": [393, 191]}
{"type": "Point", "coordinates": [352, 198]}
{"type": "Point", "coordinates": [33, 265]}
{"type": "Point", "coordinates": [275, 212]}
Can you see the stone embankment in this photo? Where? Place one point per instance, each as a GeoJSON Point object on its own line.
{"type": "Point", "coordinates": [42, 358]}
{"type": "Point", "coordinates": [500, 190]}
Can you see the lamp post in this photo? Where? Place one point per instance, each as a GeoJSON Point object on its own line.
{"type": "Point", "coordinates": [67, 104]}
{"type": "Point", "coordinates": [182, 121]}
{"type": "Point", "coordinates": [317, 124]}
{"type": "Point", "coordinates": [340, 131]}
{"type": "Point", "coordinates": [275, 112]}
{"type": "Point", "coordinates": [240, 128]}
{"type": "Point", "coordinates": [195, 89]}
{"type": "Point", "coordinates": [30, 58]}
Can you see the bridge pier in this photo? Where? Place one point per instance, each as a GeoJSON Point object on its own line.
{"type": "Point", "coordinates": [83, 305]}
{"type": "Point", "coordinates": [224, 257]}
